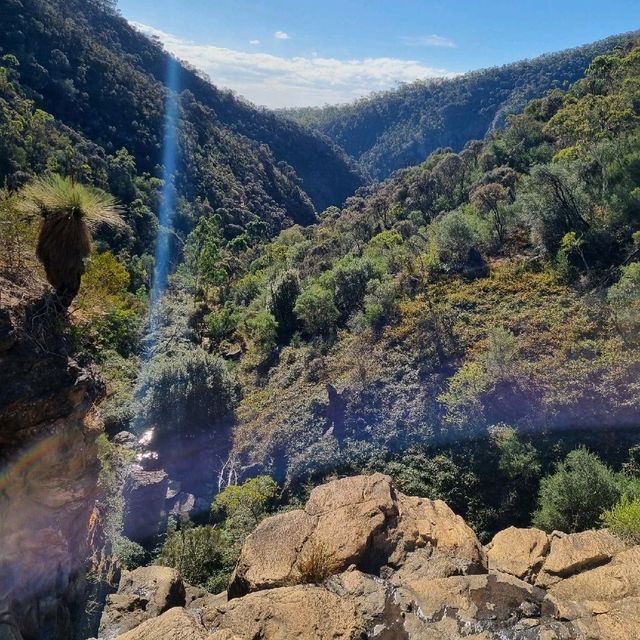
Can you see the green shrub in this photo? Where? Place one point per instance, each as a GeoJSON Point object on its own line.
{"type": "Point", "coordinates": [111, 316]}
{"type": "Point", "coordinates": [624, 300]}
{"type": "Point", "coordinates": [463, 397]}
{"type": "Point", "coordinates": [317, 311]}
{"type": "Point", "coordinates": [261, 329]}
{"type": "Point", "coordinates": [119, 374]}
{"type": "Point", "coordinates": [554, 202]}
{"type": "Point", "coordinates": [453, 238]}
{"type": "Point", "coordinates": [130, 554]}
{"type": "Point", "coordinates": [573, 498]}
{"type": "Point", "coordinates": [381, 305]}
{"type": "Point", "coordinates": [518, 460]}
{"type": "Point", "coordinates": [246, 289]}
{"type": "Point", "coordinates": [218, 581]}
{"type": "Point", "coordinates": [500, 351]}
{"type": "Point", "coordinates": [624, 519]}
{"type": "Point", "coordinates": [193, 551]}
{"type": "Point", "coordinates": [222, 323]}
{"type": "Point", "coordinates": [242, 507]}
{"type": "Point", "coordinates": [284, 293]}
{"type": "Point", "coordinates": [202, 253]}
{"type": "Point", "coordinates": [119, 329]}
{"type": "Point", "coordinates": [189, 388]}
{"type": "Point", "coordinates": [349, 280]}
{"type": "Point", "coordinates": [17, 234]}
{"type": "Point", "coordinates": [632, 467]}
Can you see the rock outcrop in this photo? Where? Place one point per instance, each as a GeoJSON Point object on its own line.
{"type": "Point", "coordinates": [518, 552]}
{"type": "Point", "coordinates": [408, 568]}
{"type": "Point", "coordinates": [570, 554]}
{"type": "Point", "coordinates": [145, 493]}
{"type": "Point", "coordinates": [144, 593]}
{"type": "Point", "coordinates": [48, 468]}
{"type": "Point", "coordinates": [362, 521]}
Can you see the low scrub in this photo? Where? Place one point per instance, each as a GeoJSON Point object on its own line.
{"type": "Point", "coordinates": [623, 520]}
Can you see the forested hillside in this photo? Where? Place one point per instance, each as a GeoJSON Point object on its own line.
{"type": "Point", "coordinates": [86, 66]}
{"type": "Point", "coordinates": [463, 326]}
{"type": "Point", "coordinates": [399, 128]}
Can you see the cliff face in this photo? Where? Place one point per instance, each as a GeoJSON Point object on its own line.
{"type": "Point", "coordinates": [48, 467]}
{"type": "Point", "coordinates": [362, 560]}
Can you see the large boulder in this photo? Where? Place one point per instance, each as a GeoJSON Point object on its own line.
{"type": "Point", "coordinates": [612, 582]}
{"type": "Point", "coordinates": [431, 523]}
{"type": "Point", "coordinates": [143, 593]}
{"type": "Point", "coordinates": [174, 624]}
{"type": "Point", "coordinates": [601, 603]}
{"type": "Point", "coordinates": [362, 520]}
{"type": "Point", "coordinates": [518, 552]}
{"type": "Point", "coordinates": [145, 494]}
{"type": "Point", "coordinates": [350, 513]}
{"type": "Point", "coordinates": [619, 621]}
{"type": "Point", "coordinates": [284, 535]}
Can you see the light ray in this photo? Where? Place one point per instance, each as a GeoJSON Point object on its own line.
{"type": "Point", "coordinates": [168, 198]}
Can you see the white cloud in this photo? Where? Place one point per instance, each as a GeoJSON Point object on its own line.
{"type": "Point", "coordinates": [428, 41]}
{"type": "Point", "coordinates": [281, 35]}
{"type": "Point", "coordinates": [255, 43]}
{"type": "Point", "coordinates": [276, 81]}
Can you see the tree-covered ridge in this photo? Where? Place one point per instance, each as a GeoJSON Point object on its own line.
{"type": "Point", "coordinates": [91, 70]}
{"type": "Point", "coordinates": [395, 129]}
{"type": "Point", "coordinates": [472, 317]}
{"type": "Point", "coordinates": [221, 172]}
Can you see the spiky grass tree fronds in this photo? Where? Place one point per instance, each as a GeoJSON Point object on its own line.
{"type": "Point", "coordinates": [69, 211]}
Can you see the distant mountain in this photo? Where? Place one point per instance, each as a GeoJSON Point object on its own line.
{"type": "Point", "coordinates": [86, 66]}
{"type": "Point", "coordinates": [399, 128]}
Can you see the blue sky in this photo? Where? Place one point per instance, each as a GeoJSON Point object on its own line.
{"type": "Point", "coordinates": [296, 53]}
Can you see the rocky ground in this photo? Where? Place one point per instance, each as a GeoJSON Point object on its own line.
{"type": "Point", "coordinates": [388, 566]}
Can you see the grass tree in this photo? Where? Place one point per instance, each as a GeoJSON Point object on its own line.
{"type": "Point", "coordinates": [69, 212]}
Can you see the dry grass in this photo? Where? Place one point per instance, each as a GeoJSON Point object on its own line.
{"type": "Point", "coordinates": [316, 563]}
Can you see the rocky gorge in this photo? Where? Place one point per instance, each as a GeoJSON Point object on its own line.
{"type": "Point", "coordinates": [360, 560]}
{"type": "Point", "coordinates": [363, 560]}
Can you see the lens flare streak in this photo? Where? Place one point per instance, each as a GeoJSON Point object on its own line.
{"type": "Point", "coordinates": [168, 197]}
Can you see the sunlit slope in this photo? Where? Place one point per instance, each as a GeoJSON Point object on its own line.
{"type": "Point", "coordinates": [494, 288]}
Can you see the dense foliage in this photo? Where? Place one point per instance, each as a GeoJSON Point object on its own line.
{"type": "Point", "coordinates": [398, 128]}
{"type": "Point", "coordinates": [206, 555]}
{"type": "Point", "coordinates": [624, 520]}
{"type": "Point", "coordinates": [573, 498]}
